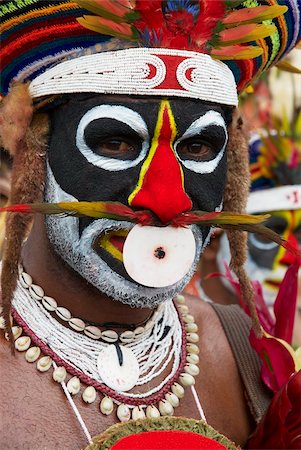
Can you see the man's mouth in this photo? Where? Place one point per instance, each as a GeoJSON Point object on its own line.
{"type": "Point", "coordinates": [113, 243]}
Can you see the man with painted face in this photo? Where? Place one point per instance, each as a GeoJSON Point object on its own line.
{"type": "Point", "coordinates": [110, 134]}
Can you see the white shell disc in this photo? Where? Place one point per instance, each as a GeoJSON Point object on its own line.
{"type": "Point", "coordinates": [118, 377]}
{"type": "Point", "coordinates": [158, 256]}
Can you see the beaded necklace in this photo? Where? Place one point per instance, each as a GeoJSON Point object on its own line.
{"type": "Point", "coordinates": [169, 341]}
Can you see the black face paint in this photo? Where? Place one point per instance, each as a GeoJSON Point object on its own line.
{"type": "Point", "coordinates": [124, 143]}
{"type": "Point", "coordinates": [262, 251]}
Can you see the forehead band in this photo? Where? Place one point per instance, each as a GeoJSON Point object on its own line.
{"type": "Point", "coordinates": [141, 71]}
{"type": "Point", "coordinates": [275, 199]}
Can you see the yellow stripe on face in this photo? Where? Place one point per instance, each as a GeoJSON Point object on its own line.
{"type": "Point", "coordinates": [292, 219]}
{"type": "Point", "coordinates": [106, 244]}
{"type": "Point", "coordinates": [164, 105]}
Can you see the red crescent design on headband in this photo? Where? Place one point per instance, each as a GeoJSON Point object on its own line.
{"type": "Point", "coordinates": [161, 183]}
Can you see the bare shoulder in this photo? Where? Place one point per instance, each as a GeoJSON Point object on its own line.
{"type": "Point", "coordinates": [219, 385]}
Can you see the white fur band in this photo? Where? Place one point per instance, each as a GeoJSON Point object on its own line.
{"type": "Point", "coordinates": [141, 71]}
{"type": "Point", "coordinates": [275, 199]}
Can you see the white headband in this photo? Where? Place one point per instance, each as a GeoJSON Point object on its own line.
{"type": "Point", "coordinates": [141, 71]}
{"type": "Point", "coordinates": [275, 199]}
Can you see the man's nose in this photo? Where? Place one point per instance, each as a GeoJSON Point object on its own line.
{"type": "Point", "coordinates": [161, 181]}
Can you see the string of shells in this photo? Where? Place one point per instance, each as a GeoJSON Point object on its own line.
{"type": "Point", "coordinates": [165, 407]}
{"type": "Point", "coordinates": [77, 324]}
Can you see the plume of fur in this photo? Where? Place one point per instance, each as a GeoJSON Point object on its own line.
{"type": "Point", "coordinates": [15, 116]}
{"type": "Point", "coordinates": [28, 147]}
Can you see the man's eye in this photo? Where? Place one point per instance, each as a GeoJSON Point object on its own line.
{"type": "Point", "coordinates": [115, 146]}
{"type": "Point", "coordinates": [196, 150]}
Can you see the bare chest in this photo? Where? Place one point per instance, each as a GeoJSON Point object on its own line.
{"type": "Point", "coordinates": [35, 413]}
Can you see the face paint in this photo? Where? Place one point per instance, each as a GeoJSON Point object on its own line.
{"type": "Point", "coordinates": [271, 259]}
{"type": "Point", "coordinates": [132, 151]}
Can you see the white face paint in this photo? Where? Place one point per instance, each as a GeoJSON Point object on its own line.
{"type": "Point", "coordinates": [122, 114]}
{"type": "Point", "coordinates": [211, 118]}
{"type": "Point", "coordinates": [77, 251]}
{"type": "Point", "coordinates": [255, 272]}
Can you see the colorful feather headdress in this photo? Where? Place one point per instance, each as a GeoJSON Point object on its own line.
{"type": "Point", "coordinates": [172, 42]}
{"type": "Point", "coordinates": [275, 166]}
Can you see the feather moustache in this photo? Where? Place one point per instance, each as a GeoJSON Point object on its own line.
{"type": "Point", "coordinates": [117, 211]}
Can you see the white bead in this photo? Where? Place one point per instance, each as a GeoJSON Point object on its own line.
{"type": "Point", "coordinates": [139, 330]}
{"type": "Point", "coordinates": [92, 332]}
{"type": "Point", "coordinates": [172, 399]}
{"type": "Point", "coordinates": [192, 358]}
{"type": "Point", "coordinates": [109, 336]}
{"type": "Point", "coordinates": [180, 299]}
{"type": "Point", "coordinates": [165, 408]}
{"type": "Point", "coordinates": [192, 348]}
{"type": "Point", "coordinates": [186, 379]}
{"type": "Point", "coordinates": [25, 280]}
{"type": "Point", "coordinates": [123, 413]}
{"type": "Point", "coordinates": [36, 292]}
{"type": "Point", "coordinates": [152, 412]}
{"type": "Point", "coordinates": [89, 394]}
{"type": "Point", "coordinates": [178, 390]}
{"type": "Point", "coordinates": [106, 406]}
{"type": "Point", "coordinates": [155, 316]}
{"type": "Point", "coordinates": [32, 354]}
{"type": "Point", "coordinates": [192, 369]}
{"type": "Point", "coordinates": [59, 374]}
{"type": "Point", "coordinates": [77, 324]}
{"type": "Point", "coordinates": [183, 309]}
{"type": "Point", "coordinates": [17, 331]}
{"type": "Point", "coordinates": [73, 385]}
{"type": "Point", "coordinates": [191, 327]}
{"type": "Point", "coordinates": [49, 303]}
{"type": "Point", "coordinates": [192, 337]}
{"type": "Point", "coordinates": [149, 325]}
{"type": "Point", "coordinates": [127, 336]}
{"type": "Point", "coordinates": [44, 363]}
{"type": "Point", "coordinates": [138, 413]}
{"type": "Point", "coordinates": [22, 343]}
{"type": "Point", "coordinates": [188, 318]}
{"type": "Point", "coordinates": [63, 313]}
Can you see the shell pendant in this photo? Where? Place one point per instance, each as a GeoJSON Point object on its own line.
{"type": "Point", "coordinates": [118, 367]}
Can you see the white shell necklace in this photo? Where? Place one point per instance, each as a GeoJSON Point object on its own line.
{"type": "Point", "coordinates": [98, 364]}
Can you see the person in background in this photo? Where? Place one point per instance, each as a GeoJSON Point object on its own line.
{"type": "Point", "coordinates": [275, 167]}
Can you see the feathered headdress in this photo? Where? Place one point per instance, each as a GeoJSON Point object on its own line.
{"type": "Point", "coordinates": [275, 165]}
{"type": "Point", "coordinates": [248, 36]}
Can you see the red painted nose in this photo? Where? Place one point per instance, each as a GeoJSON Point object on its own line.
{"type": "Point", "coordinates": [161, 182]}
{"type": "Point", "coordinates": [288, 258]}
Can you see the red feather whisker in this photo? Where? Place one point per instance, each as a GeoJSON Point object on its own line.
{"type": "Point", "coordinates": [118, 211]}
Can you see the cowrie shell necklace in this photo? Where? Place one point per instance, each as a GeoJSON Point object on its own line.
{"type": "Point", "coordinates": [48, 344]}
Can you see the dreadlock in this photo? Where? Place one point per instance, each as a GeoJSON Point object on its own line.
{"type": "Point", "coordinates": [235, 199]}
{"type": "Point", "coordinates": [25, 137]}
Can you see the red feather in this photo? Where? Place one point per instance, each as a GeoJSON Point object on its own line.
{"type": "Point", "coordinates": [280, 428]}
